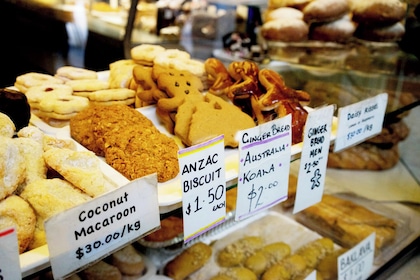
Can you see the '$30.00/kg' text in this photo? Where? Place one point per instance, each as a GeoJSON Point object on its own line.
{"type": "Point", "coordinates": [96, 245]}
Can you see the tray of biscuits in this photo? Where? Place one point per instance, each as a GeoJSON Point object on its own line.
{"type": "Point", "coordinates": [144, 109]}
{"type": "Point", "coordinates": [266, 244]}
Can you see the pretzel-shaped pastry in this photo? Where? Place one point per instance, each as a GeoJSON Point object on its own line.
{"type": "Point", "coordinates": [283, 100]}
{"type": "Point", "coordinates": [219, 75]}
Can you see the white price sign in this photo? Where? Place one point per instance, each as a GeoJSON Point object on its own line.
{"type": "Point", "coordinates": [356, 264]}
{"type": "Point", "coordinates": [88, 232]}
{"type": "Point", "coordinates": [314, 157]}
{"type": "Point", "coordinates": [203, 186]}
{"type": "Point", "coordinates": [264, 165]}
{"type": "Point", "coordinates": [9, 255]}
{"type": "Point", "coordinates": [360, 121]}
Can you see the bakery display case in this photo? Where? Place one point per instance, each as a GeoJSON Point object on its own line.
{"type": "Point", "coordinates": [374, 188]}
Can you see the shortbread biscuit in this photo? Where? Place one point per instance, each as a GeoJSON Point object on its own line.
{"type": "Point", "coordinates": [75, 73]}
{"type": "Point", "coordinates": [144, 54]}
{"type": "Point", "coordinates": [16, 212]}
{"type": "Point", "coordinates": [121, 73]}
{"type": "Point", "coordinates": [81, 168]}
{"type": "Point", "coordinates": [128, 260]}
{"type": "Point", "coordinates": [115, 94]}
{"type": "Point", "coordinates": [87, 85]}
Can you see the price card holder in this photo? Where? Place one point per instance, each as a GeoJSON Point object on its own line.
{"type": "Point", "coordinates": [314, 157]}
{"type": "Point", "coordinates": [360, 121]}
{"type": "Point", "coordinates": [357, 263]}
{"type": "Point", "coordinates": [264, 165]}
{"type": "Point", "coordinates": [88, 232]}
{"type": "Point", "coordinates": [203, 187]}
{"type": "Point", "coordinates": [9, 255]}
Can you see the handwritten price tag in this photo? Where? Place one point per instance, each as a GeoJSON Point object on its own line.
{"type": "Point", "coordinates": [9, 255]}
{"type": "Point", "coordinates": [356, 264]}
{"type": "Point", "coordinates": [203, 186]}
{"type": "Point", "coordinates": [314, 157]}
{"type": "Point", "coordinates": [360, 121]}
{"type": "Point", "coordinates": [88, 232]}
{"type": "Point", "coordinates": [264, 153]}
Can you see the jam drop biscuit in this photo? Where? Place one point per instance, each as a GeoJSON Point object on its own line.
{"type": "Point", "coordinates": [62, 107]}
{"type": "Point", "coordinates": [28, 80]}
{"type": "Point", "coordinates": [38, 93]}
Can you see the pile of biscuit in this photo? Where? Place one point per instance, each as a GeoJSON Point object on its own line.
{"type": "Point", "coordinates": [40, 176]}
{"type": "Point", "coordinates": [334, 20]}
{"type": "Point", "coordinates": [175, 83]}
{"type": "Point", "coordinates": [59, 97]}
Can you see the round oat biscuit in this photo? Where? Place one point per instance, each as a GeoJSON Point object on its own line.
{"type": "Point", "coordinates": [15, 211]}
{"type": "Point", "coordinates": [114, 94]}
{"type": "Point", "coordinates": [145, 53]}
{"type": "Point", "coordinates": [87, 85]}
{"type": "Point", "coordinates": [81, 129]}
{"type": "Point", "coordinates": [75, 73]}
{"type": "Point", "coordinates": [12, 167]}
{"type": "Point", "coordinates": [28, 80]}
{"type": "Point", "coordinates": [136, 152]}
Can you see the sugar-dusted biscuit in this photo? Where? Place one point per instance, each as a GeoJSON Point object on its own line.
{"type": "Point", "coordinates": [16, 212]}
{"type": "Point", "coordinates": [7, 127]}
{"type": "Point", "coordinates": [12, 167]}
{"type": "Point", "coordinates": [81, 168]}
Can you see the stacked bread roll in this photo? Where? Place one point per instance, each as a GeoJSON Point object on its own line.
{"type": "Point", "coordinates": [334, 20]}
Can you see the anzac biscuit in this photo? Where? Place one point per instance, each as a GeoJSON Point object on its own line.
{"type": "Point", "coordinates": [136, 152]}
